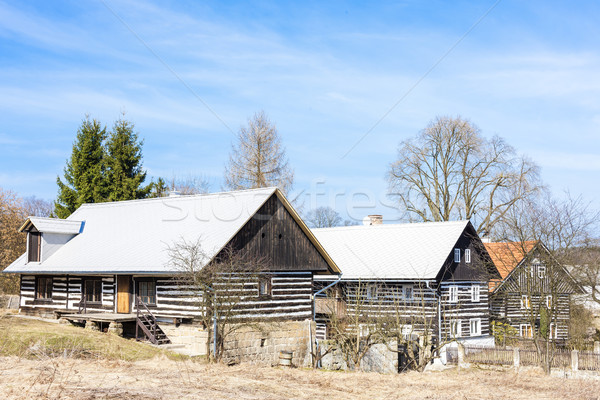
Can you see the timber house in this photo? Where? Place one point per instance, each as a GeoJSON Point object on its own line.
{"type": "Point", "coordinates": [532, 283]}
{"type": "Point", "coordinates": [110, 261]}
{"type": "Point", "coordinates": [434, 276]}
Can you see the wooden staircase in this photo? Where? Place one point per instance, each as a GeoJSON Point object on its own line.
{"type": "Point", "coordinates": [146, 322]}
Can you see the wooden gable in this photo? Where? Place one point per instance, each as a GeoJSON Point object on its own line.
{"type": "Point", "coordinates": [526, 277]}
{"type": "Point", "coordinates": [480, 268]}
{"type": "Point", "coordinates": [273, 233]}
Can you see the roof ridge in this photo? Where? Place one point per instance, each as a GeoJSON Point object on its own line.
{"type": "Point", "coordinates": [179, 197]}
{"type": "Point", "coordinates": [389, 226]}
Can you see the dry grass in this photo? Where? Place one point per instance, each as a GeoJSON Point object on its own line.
{"type": "Point", "coordinates": [167, 379]}
{"type": "Point", "coordinates": [155, 376]}
{"type": "Point", "coordinates": [32, 338]}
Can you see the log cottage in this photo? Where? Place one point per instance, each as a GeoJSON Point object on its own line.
{"type": "Point", "coordinates": [532, 285]}
{"type": "Point", "coordinates": [433, 277]}
{"type": "Point", "coordinates": [108, 261]}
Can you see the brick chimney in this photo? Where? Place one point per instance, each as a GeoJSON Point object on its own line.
{"type": "Point", "coordinates": [373, 219]}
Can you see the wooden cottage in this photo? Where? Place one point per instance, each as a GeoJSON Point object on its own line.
{"type": "Point", "coordinates": [533, 288]}
{"type": "Point", "coordinates": [433, 277]}
{"type": "Point", "coordinates": [104, 256]}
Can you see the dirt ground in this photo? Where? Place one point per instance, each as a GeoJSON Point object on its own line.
{"type": "Point", "coordinates": [64, 378]}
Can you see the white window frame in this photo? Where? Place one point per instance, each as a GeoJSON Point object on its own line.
{"type": "Point", "coordinates": [553, 330]}
{"type": "Point", "coordinates": [475, 292]}
{"type": "Point", "coordinates": [455, 328]}
{"type": "Point", "coordinates": [467, 256]}
{"type": "Point", "coordinates": [549, 301]}
{"type": "Point", "coordinates": [523, 329]}
{"type": "Point", "coordinates": [456, 255]}
{"type": "Point", "coordinates": [453, 294]}
{"type": "Point", "coordinates": [541, 271]}
{"type": "Point", "coordinates": [477, 330]}
{"type": "Point", "coordinates": [410, 290]}
{"type": "Point", "coordinates": [525, 302]}
{"type": "Point", "coordinates": [371, 292]}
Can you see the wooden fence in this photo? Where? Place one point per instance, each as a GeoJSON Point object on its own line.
{"type": "Point", "coordinates": [502, 356]}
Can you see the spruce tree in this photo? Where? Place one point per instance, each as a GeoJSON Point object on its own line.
{"type": "Point", "coordinates": [84, 173]}
{"type": "Point", "coordinates": [124, 173]}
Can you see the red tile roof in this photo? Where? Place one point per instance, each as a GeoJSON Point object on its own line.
{"type": "Point", "coordinates": [506, 256]}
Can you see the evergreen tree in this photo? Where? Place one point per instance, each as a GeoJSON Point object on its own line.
{"type": "Point", "coordinates": [84, 172]}
{"type": "Point", "coordinates": [124, 173]}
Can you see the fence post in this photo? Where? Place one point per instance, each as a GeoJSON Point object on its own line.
{"type": "Point", "coordinates": [516, 358]}
{"type": "Point", "coordinates": [574, 360]}
{"type": "Point", "coordinates": [596, 347]}
{"type": "Point", "coordinates": [461, 356]}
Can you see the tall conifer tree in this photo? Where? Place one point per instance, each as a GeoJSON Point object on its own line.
{"type": "Point", "coordinates": [125, 175]}
{"type": "Point", "coordinates": [84, 173]}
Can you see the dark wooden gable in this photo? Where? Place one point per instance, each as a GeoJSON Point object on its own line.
{"type": "Point", "coordinates": [481, 268]}
{"type": "Point", "coordinates": [555, 279]}
{"type": "Point", "coordinates": [273, 234]}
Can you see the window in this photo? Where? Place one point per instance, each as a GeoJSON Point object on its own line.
{"type": "Point", "coordinates": [34, 246]}
{"type": "Point", "coordinates": [467, 256]}
{"type": "Point", "coordinates": [371, 292]}
{"type": "Point", "coordinates": [553, 333]}
{"type": "Point", "coordinates": [407, 292]}
{"type": "Point", "coordinates": [525, 301]}
{"type": "Point", "coordinates": [525, 330]}
{"type": "Point", "coordinates": [475, 292]}
{"type": "Point", "coordinates": [43, 288]}
{"type": "Point", "coordinates": [453, 294]}
{"type": "Point", "coordinates": [264, 287]}
{"type": "Point", "coordinates": [455, 328]}
{"type": "Point", "coordinates": [147, 291]}
{"type": "Point", "coordinates": [457, 255]}
{"type": "Point", "coordinates": [475, 326]}
{"type": "Point", "coordinates": [541, 271]}
{"type": "Point", "coordinates": [549, 301]}
{"type": "Point", "coordinates": [93, 290]}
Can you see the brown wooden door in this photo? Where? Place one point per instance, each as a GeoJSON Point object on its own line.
{"type": "Point", "coordinates": [123, 294]}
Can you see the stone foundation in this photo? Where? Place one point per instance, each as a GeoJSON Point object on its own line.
{"type": "Point", "coordinates": [192, 336]}
{"type": "Point", "coordinates": [377, 359]}
{"type": "Point", "coordinates": [261, 343]}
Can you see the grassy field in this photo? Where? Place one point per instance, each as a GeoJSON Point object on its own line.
{"type": "Point", "coordinates": [34, 339]}
{"type": "Point", "coordinates": [108, 367]}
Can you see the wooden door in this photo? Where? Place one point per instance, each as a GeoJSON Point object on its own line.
{"type": "Point", "coordinates": [124, 294]}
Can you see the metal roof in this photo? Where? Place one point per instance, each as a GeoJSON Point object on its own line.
{"type": "Point", "coordinates": [391, 251]}
{"type": "Point", "coordinates": [134, 236]}
{"type": "Point", "coordinates": [52, 225]}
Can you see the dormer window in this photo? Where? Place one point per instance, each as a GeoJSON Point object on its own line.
{"type": "Point", "coordinates": [34, 246]}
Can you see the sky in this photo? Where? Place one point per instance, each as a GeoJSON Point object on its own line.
{"type": "Point", "coordinates": [344, 84]}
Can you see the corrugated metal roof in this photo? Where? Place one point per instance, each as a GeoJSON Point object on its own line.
{"type": "Point", "coordinates": [391, 251]}
{"type": "Point", "coordinates": [53, 225]}
{"type": "Point", "coordinates": [133, 236]}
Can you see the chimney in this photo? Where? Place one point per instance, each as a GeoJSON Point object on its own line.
{"type": "Point", "coordinates": [373, 219]}
{"type": "Point", "coordinates": [486, 239]}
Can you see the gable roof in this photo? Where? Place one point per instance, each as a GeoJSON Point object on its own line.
{"type": "Point", "coordinates": [134, 236]}
{"type": "Point", "coordinates": [507, 255]}
{"type": "Point", "coordinates": [52, 225]}
{"type": "Point", "coordinates": [391, 251]}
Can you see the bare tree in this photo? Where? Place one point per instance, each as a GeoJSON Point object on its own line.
{"type": "Point", "coordinates": [323, 217]}
{"type": "Point", "coordinates": [220, 287]}
{"type": "Point", "coordinates": [450, 171]}
{"type": "Point", "coordinates": [12, 242]}
{"type": "Point", "coordinates": [258, 159]}
{"type": "Point", "coordinates": [38, 207]}
{"type": "Point", "coordinates": [190, 184]}
{"type": "Point", "coordinates": [549, 233]}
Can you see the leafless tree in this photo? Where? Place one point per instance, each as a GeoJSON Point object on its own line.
{"type": "Point", "coordinates": [38, 207]}
{"type": "Point", "coordinates": [12, 242]}
{"type": "Point", "coordinates": [450, 171]}
{"type": "Point", "coordinates": [258, 158]}
{"type": "Point", "coordinates": [220, 286]}
{"type": "Point", "coordinates": [323, 217]}
{"type": "Point", "coordinates": [190, 184]}
{"type": "Point", "coordinates": [558, 229]}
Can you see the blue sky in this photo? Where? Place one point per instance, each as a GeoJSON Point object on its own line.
{"type": "Point", "coordinates": [325, 73]}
